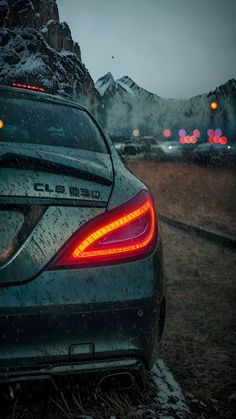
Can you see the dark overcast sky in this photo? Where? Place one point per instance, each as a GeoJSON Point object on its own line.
{"type": "Point", "coordinates": [174, 48]}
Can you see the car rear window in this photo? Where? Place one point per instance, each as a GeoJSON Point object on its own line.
{"type": "Point", "coordinates": [38, 122]}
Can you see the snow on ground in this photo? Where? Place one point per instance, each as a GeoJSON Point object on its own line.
{"type": "Point", "coordinates": [170, 398]}
{"type": "Point", "coordinates": [169, 402]}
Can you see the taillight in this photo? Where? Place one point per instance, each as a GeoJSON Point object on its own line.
{"type": "Point", "coordinates": [29, 87]}
{"type": "Point", "coordinates": [128, 232]}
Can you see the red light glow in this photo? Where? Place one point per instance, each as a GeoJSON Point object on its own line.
{"type": "Point", "coordinates": [215, 137]}
{"type": "Point", "coordinates": [167, 133]}
{"type": "Point", "coordinates": [188, 139]}
{"type": "Point", "coordinates": [29, 87]}
{"type": "Point", "coordinates": [223, 140]}
{"type": "Point", "coordinates": [124, 233]}
{"type": "Point", "coordinates": [193, 139]}
{"type": "Point", "coordinates": [196, 133]}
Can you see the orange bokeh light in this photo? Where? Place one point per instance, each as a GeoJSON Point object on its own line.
{"type": "Point", "coordinates": [193, 139]}
{"type": "Point", "coordinates": [214, 105]}
{"type": "Point", "coordinates": [1, 123]}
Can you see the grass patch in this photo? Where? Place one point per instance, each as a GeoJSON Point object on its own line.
{"type": "Point", "coordinates": [200, 336]}
{"type": "Point", "coordinates": [199, 194]}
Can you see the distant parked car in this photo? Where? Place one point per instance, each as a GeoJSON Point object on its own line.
{"type": "Point", "coordinates": [133, 149]}
{"type": "Point", "coordinates": [148, 142]}
{"type": "Point", "coordinates": [167, 150]}
{"type": "Point", "coordinates": [223, 154]}
{"type": "Point", "coordinates": [207, 153]}
{"type": "Point", "coordinates": [119, 147]}
{"type": "Point", "coordinates": [202, 153]}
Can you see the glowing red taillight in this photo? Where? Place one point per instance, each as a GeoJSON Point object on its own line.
{"type": "Point", "coordinates": [29, 87]}
{"type": "Point", "coordinates": [125, 233]}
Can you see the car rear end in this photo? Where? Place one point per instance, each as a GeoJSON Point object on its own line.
{"type": "Point", "coordinates": [80, 262]}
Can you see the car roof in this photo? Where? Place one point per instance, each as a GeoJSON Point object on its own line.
{"type": "Point", "coordinates": [42, 96]}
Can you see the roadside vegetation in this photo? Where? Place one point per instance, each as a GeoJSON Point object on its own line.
{"type": "Point", "coordinates": [200, 335]}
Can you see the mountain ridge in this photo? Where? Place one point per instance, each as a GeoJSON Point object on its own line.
{"type": "Point", "coordinates": [225, 88]}
{"type": "Point", "coordinates": [126, 106]}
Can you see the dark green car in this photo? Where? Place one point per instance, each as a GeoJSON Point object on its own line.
{"type": "Point", "coordinates": [80, 252]}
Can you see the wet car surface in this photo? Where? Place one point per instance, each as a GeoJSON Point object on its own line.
{"type": "Point", "coordinates": [81, 283]}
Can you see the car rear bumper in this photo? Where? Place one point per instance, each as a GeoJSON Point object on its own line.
{"type": "Point", "coordinates": [94, 322]}
{"type": "Point", "coordinates": [59, 369]}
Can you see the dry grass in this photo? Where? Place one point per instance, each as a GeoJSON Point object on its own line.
{"type": "Point", "coordinates": [200, 337]}
{"type": "Point", "coordinates": [204, 195]}
{"type": "Point", "coordinates": [80, 397]}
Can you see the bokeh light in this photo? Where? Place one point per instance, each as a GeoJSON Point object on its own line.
{"type": "Point", "coordinates": [218, 132]}
{"type": "Point", "coordinates": [193, 139]}
{"type": "Point", "coordinates": [223, 140]}
{"type": "Point", "coordinates": [167, 133]}
{"type": "Point", "coordinates": [1, 123]}
{"type": "Point", "coordinates": [196, 133]}
{"type": "Point", "coordinates": [182, 133]}
{"type": "Point", "coordinates": [215, 138]}
{"type": "Point", "coordinates": [188, 139]}
{"type": "Point", "coordinates": [214, 105]}
{"type": "Point", "coordinates": [135, 132]}
{"type": "Point", "coordinates": [210, 132]}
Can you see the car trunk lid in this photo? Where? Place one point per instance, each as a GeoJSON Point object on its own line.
{"type": "Point", "coordinates": [46, 194]}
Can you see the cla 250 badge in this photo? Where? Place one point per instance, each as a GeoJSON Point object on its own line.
{"type": "Point", "coordinates": [72, 190]}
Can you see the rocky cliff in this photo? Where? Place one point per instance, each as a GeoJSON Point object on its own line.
{"type": "Point", "coordinates": [35, 47]}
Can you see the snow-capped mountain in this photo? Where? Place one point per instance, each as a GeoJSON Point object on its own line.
{"type": "Point", "coordinates": [127, 106]}
{"type": "Point", "coordinates": [36, 48]}
{"type": "Point", "coordinates": [107, 86]}
{"type": "Point", "coordinates": [225, 90]}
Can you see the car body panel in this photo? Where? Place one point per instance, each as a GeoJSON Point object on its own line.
{"type": "Point", "coordinates": [109, 310]}
{"type": "Point", "coordinates": [70, 319]}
